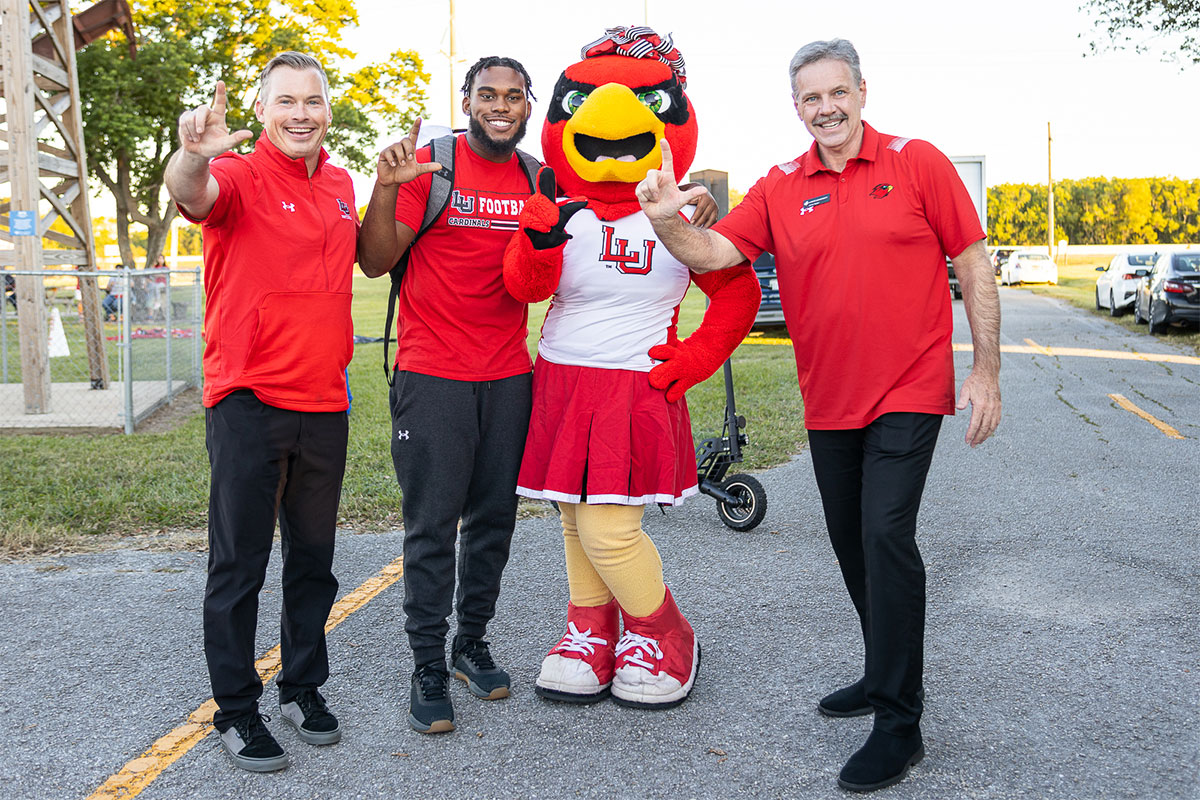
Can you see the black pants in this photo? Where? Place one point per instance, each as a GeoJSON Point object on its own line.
{"type": "Point", "coordinates": [268, 462]}
{"type": "Point", "coordinates": [871, 480]}
{"type": "Point", "coordinates": [457, 448]}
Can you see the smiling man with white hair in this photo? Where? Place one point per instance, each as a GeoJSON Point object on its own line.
{"type": "Point", "coordinates": [860, 226]}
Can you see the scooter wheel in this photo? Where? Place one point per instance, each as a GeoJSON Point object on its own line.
{"type": "Point", "coordinates": [750, 509]}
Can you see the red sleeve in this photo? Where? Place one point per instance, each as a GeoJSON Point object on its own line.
{"type": "Point", "coordinates": [748, 225]}
{"type": "Point", "coordinates": [413, 196]}
{"type": "Point", "coordinates": [945, 200]}
{"type": "Point", "coordinates": [234, 180]}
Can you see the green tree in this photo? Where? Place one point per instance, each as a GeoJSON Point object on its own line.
{"type": "Point", "coordinates": [1098, 211]}
{"type": "Point", "coordinates": [131, 105]}
{"type": "Point", "coordinates": [1137, 23]}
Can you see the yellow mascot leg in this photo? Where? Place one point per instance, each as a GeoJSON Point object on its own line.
{"type": "Point", "coordinates": [622, 555]}
{"type": "Point", "coordinates": [586, 586]}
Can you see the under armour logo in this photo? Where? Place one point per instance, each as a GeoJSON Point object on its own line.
{"type": "Point", "coordinates": [402, 435]}
{"type": "Point", "coordinates": [289, 206]}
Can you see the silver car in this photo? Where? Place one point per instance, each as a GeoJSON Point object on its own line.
{"type": "Point", "coordinates": [1117, 286]}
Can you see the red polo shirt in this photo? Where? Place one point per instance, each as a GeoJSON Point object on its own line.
{"type": "Point", "coordinates": [862, 274]}
{"type": "Point", "coordinates": [455, 319]}
{"type": "Point", "coordinates": [279, 252]}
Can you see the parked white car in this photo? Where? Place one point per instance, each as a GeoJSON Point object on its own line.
{"type": "Point", "coordinates": [1028, 266]}
{"type": "Point", "coordinates": [1117, 286]}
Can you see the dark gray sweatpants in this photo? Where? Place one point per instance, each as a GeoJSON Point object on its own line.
{"type": "Point", "coordinates": [457, 448]}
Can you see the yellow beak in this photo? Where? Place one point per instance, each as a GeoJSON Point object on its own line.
{"type": "Point", "coordinates": [613, 136]}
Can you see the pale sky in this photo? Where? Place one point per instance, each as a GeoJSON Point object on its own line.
{"type": "Point", "coordinates": [973, 78]}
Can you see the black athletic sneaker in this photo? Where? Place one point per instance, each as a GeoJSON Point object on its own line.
{"type": "Point", "coordinates": [309, 715]}
{"type": "Point", "coordinates": [251, 745]}
{"type": "Point", "coordinates": [473, 663]}
{"type": "Point", "coordinates": [429, 709]}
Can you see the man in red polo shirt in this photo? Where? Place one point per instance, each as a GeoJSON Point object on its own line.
{"type": "Point", "coordinates": [860, 226]}
{"type": "Point", "coordinates": [280, 234]}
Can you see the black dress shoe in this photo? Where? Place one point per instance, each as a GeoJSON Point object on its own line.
{"type": "Point", "coordinates": [850, 701]}
{"type": "Point", "coordinates": [883, 761]}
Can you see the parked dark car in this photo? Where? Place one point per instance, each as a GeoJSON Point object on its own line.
{"type": "Point", "coordinates": [955, 287]}
{"type": "Point", "coordinates": [1170, 293]}
{"type": "Point", "coordinates": [1000, 255]}
{"type": "Point", "coordinates": [770, 312]}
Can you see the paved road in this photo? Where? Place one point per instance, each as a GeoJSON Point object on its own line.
{"type": "Point", "coordinates": [1062, 661]}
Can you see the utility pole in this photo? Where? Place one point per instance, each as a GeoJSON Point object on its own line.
{"type": "Point", "coordinates": [450, 58]}
{"type": "Point", "coordinates": [1050, 193]}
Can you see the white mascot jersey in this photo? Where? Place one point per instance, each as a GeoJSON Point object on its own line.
{"type": "Point", "coordinates": [617, 295]}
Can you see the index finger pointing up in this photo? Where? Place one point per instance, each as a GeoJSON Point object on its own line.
{"type": "Point", "coordinates": [668, 165]}
{"type": "Point", "coordinates": [415, 131]}
{"type": "Point", "coordinates": [218, 103]}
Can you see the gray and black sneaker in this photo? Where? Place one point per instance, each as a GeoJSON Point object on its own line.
{"type": "Point", "coordinates": [251, 745]}
{"type": "Point", "coordinates": [473, 663]}
{"type": "Point", "coordinates": [430, 710]}
{"type": "Point", "coordinates": [309, 715]}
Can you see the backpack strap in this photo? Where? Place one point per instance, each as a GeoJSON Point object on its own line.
{"type": "Point", "coordinates": [530, 165]}
{"type": "Point", "coordinates": [441, 151]}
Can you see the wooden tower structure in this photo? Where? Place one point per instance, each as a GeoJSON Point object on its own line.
{"type": "Point", "coordinates": [43, 176]}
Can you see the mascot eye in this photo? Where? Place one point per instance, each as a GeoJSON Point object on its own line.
{"type": "Point", "coordinates": [572, 101]}
{"type": "Point", "coordinates": [657, 101]}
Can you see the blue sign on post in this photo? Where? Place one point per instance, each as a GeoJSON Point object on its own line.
{"type": "Point", "coordinates": [22, 223]}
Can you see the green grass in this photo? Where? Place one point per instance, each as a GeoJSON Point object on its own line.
{"type": "Point", "coordinates": [1077, 285]}
{"type": "Point", "coordinates": [62, 490]}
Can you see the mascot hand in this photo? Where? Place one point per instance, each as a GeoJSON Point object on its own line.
{"type": "Point", "coordinates": [543, 221]}
{"type": "Point", "coordinates": [735, 297]}
{"type": "Point", "coordinates": [684, 365]}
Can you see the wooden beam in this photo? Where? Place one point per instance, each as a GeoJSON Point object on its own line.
{"type": "Point", "coordinates": [47, 17]}
{"type": "Point", "coordinates": [53, 165]}
{"type": "Point", "coordinates": [17, 55]}
{"type": "Point", "coordinates": [77, 258]}
{"type": "Point", "coordinates": [51, 71]}
{"type": "Point", "coordinates": [93, 322]}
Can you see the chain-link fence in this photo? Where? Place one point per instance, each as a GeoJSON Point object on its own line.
{"type": "Point", "coordinates": [109, 366]}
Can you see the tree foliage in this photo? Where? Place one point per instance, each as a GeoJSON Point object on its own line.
{"type": "Point", "coordinates": [1144, 25]}
{"type": "Point", "coordinates": [1097, 211]}
{"type": "Point", "coordinates": [131, 105]}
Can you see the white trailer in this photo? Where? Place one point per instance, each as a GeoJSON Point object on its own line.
{"type": "Point", "coordinates": [972, 170]}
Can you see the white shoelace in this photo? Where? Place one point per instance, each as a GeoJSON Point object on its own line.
{"type": "Point", "coordinates": [581, 642]}
{"type": "Point", "coordinates": [644, 645]}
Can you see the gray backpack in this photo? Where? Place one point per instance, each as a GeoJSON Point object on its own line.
{"type": "Point", "coordinates": [442, 151]}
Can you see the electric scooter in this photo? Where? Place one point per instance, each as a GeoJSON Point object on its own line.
{"type": "Point", "coordinates": [741, 499]}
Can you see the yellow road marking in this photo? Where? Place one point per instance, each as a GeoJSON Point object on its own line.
{"type": "Point", "coordinates": [1037, 348]}
{"type": "Point", "coordinates": [1162, 426]}
{"type": "Point", "coordinates": [141, 771]}
{"type": "Point", "coordinates": [1084, 352]}
{"type": "Point", "coordinates": [1033, 347]}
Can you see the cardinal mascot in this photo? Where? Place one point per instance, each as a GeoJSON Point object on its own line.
{"type": "Point", "coordinates": [609, 432]}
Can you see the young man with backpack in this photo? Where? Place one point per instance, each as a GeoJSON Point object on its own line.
{"type": "Point", "coordinates": [460, 395]}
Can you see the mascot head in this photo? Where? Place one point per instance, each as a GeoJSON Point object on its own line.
{"type": "Point", "coordinates": [610, 109]}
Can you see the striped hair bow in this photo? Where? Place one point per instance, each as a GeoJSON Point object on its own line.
{"type": "Point", "coordinates": [639, 42]}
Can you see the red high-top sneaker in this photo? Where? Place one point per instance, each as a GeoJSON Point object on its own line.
{"type": "Point", "coordinates": [657, 659]}
{"type": "Point", "coordinates": [580, 667]}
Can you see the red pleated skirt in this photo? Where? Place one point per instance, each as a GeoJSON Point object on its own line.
{"type": "Point", "coordinates": [605, 436]}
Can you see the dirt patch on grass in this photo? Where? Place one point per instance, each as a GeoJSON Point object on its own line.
{"type": "Point", "coordinates": [185, 406]}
